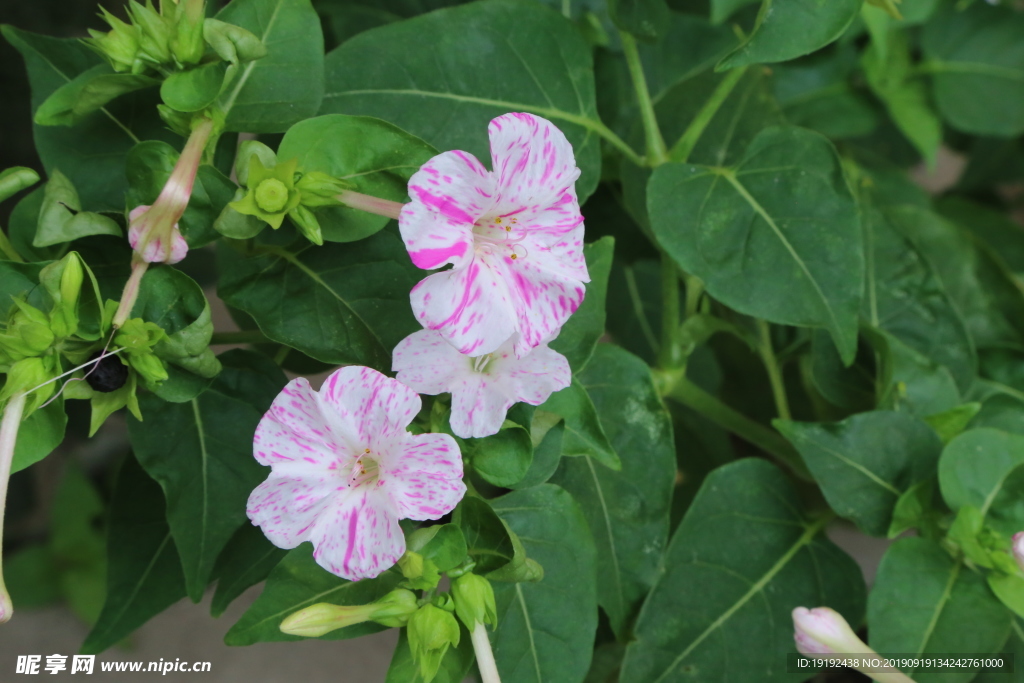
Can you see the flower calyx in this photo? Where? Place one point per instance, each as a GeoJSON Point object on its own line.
{"type": "Point", "coordinates": [431, 630]}
{"type": "Point", "coordinates": [474, 600]}
{"type": "Point", "coordinates": [138, 339]}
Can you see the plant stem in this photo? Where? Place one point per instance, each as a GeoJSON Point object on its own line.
{"type": "Point", "coordinates": [657, 154]}
{"type": "Point", "coordinates": [364, 202]}
{"type": "Point", "coordinates": [131, 291]}
{"type": "Point", "coordinates": [8, 248]}
{"type": "Point", "coordinates": [484, 655]}
{"type": "Point", "coordinates": [684, 146]}
{"type": "Point", "coordinates": [694, 291]}
{"type": "Point", "coordinates": [238, 337]}
{"type": "Point", "coordinates": [669, 354]}
{"type": "Point", "coordinates": [774, 372]}
{"type": "Point", "coordinates": [692, 396]}
{"type": "Point", "coordinates": [8, 439]}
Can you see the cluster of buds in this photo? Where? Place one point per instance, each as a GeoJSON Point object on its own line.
{"type": "Point", "coordinates": [153, 38]}
{"type": "Point", "coordinates": [275, 189]}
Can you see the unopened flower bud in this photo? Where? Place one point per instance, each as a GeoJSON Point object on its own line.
{"type": "Point", "coordinates": [1018, 549]}
{"type": "Point", "coordinates": [25, 375]}
{"type": "Point", "coordinates": [71, 279]}
{"type": "Point", "coordinates": [393, 609]}
{"type": "Point", "coordinates": [153, 230]}
{"type": "Point", "coordinates": [307, 223]}
{"type": "Point", "coordinates": [232, 43]}
{"type": "Point", "coordinates": [187, 41]}
{"type": "Point", "coordinates": [431, 632]}
{"type": "Point", "coordinates": [474, 600]}
{"type": "Point", "coordinates": [822, 630]}
{"type": "Point", "coordinates": [319, 189]}
{"type": "Point", "coordinates": [120, 45]}
{"type": "Point", "coordinates": [154, 33]}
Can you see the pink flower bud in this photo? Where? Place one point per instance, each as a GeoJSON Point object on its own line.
{"type": "Point", "coordinates": [1018, 549]}
{"type": "Point", "coordinates": [153, 230]}
{"type": "Point", "coordinates": [822, 631]}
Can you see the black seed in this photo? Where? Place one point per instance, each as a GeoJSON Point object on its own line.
{"type": "Point", "coordinates": [108, 375]}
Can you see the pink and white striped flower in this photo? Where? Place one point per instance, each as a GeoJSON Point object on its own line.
{"type": "Point", "coordinates": [345, 470]}
{"type": "Point", "coordinates": [483, 388]}
{"type": "Point", "coordinates": [514, 236]}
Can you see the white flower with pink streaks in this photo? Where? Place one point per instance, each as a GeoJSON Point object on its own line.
{"type": "Point", "coordinates": [345, 470]}
{"type": "Point", "coordinates": [514, 236]}
{"type": "Point", "coordinates": [483, 388]}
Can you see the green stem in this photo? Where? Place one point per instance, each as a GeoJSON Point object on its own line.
{"type": "Point", "coordinates": [694, 291]}
{"type": "Point", "coordinates": [239, 337]}
{"type": "Point", "coordinates": [8, 248]}
{"type": "Point", "coordinates": [657, 153]}
{"type": "Point", "coordinates": [690, 395]}
{"type": "Point", "coordinates": [771, 364]}
{"type": "Point", "coordinates": [684, 146]}
{"type": "Point", "coordinates": [669, 355]}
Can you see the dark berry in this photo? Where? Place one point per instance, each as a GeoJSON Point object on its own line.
{"type": "Point", "coordinates": [108, 375]}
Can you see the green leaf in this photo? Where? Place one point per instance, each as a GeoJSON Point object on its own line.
{"type": "Point", "coordinates": [787, 29]}
{"type": "Point", "coordinates": [32, 578]}
{"type": "Point", "coordinates": [375, 157]}
{"type": "Point", "coordinates": [270, 94]}
{"type": "Point", "coordinates": [951, 423]}
{"type": "Point", "coordinates": [645, 19]}
{"type": "Point", "coordinates": [983, 468]}
{"type": "Point", "coordinates": [298, 582]}
{"type": "Point", "coordinates": [547, 450]}
{"type": "Point", "coordinates": [926, 603]}
{"type": "Point", "coordinates": [774, 237]}
{"type": "Point", "coordinates": [1009, 588]}
{"type": "Point", "coordinates": [742, 559]}
{"type": "Point", "coordinates": [888, 70]}
{"type": "Point", "coordinates": [247, 559]}
{"type": "Point", "coordinates": [543, 61]}
{"type": "Point", "coordinates": [454, 666]}
{"type": "Point", "coordinates": [628, 510]}
{"type": "Point", "coordinates": [820, 92]}
{"type": "Point", "coordinates": [691, 46]}
{"type": "Point", "coordinates": [905, 298]}
{"type": "Point", "coordinates": [914, 509]}
{"type": "Point", "coordinates": [723, 9]}
{"type": "Point", "coordinates": [584, 435]}
{"type": "Point", "coordinates": [993, 227]}
{"type": "Point", "coordinates": [1015, 645]}
{"type": "Point", "coordinates": [339, 303]}
{"type": "Point", "coordinates": [201, 453]}
{"type": "Point", "coordinates": [487, 539]}
{"type": "Point", "coordinates": [502, 459]}
{"type": "Point", "coordinates": [909, 381]}
{"type": "Point", "coordinates": [580, 333]}
{"type": "Point", "coordinates": [40, 433]}
{"type": "Point", "coordinates": [87, 93]}
{"type": "Point", "coordinates": [546, 629]}
{"type": "Point", "coordinates": [144, 574]}
{"type": "Point", "coordinates": [442, 544]}
{"type": "Point", "coordinates": [988, 298]}
{"type": "Point", "coordinates": [976, 59]}
{"type": "Point", "coordinates": [92, 153]}
{"type": "Point", "coordinates": [195, 89]}
{"type": "Point", "coordinates": [866, 462]}
{"type": "Point", "coordinates": [61, 218]}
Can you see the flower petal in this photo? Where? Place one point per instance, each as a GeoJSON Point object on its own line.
{"type": "Point", "coordinates": [479, 405]}
{"type": "Point", "coordinates": [286, 506]}
{"type": "Point", "coordinates": [538, 374]}
{"type": "Point", "coordinates": [425, 480]}
{"type": "Point", "coordinates": [297, 431]}
{"type": "Point", "coordinates": [533, 163]}
{"type": "Point", "coordinates": [376, 407]}
{"type": "Point", "coordinates": [357, 536]}
{"type": "Point", "coordinates": [470, 306]}
{"type": "Point", "coordinates": [428, 364]}
{"type": "Point", "coordinates": [155, 250]}
{"type": "Point", "coordinates": [449, 193]}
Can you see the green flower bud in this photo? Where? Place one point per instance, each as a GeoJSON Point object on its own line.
{"type": "Point", "coordinates": [431, 632]}
{"type": "Point", "coordinates": [137, 335]}
{"type": "Point", "coordinates": [28, 374]}
{"type": "Point", "coordinates": [319, 189]}
{"type": "Point", "coordinates": [393, 609]}
{"type": "Point", "coordinates": [421, 572]}
{"type": "Point", "coordinates": [71, 279]}
{"type": "Point", "coordinates": [187, 42]}
{"type": "Point", "coordinates": [272, 192]}
{"type": "Point", "coordinates": [149, 367]}
{"type": "Point", "coordinates": [154, 32]}
{"type": "Point", "coordinates": [474, 600]}
{"type": "Point", "coordinates": [307, 223]}
{"type": "Point", "coordinates": [119, 45]}
{"type": "Point", "coordinates": [232, 43]}
{"type": "Point", "coordinates": [28, 333]}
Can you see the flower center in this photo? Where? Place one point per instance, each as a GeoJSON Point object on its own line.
{"type": "Point", "coordinates": [365, 471]}
{"type": "Point", "coordinates": [480, 364]}
{"type": "Point", "coordinates": [494, 235]}
{"type": "Point", "coordinates": [271, 195]}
